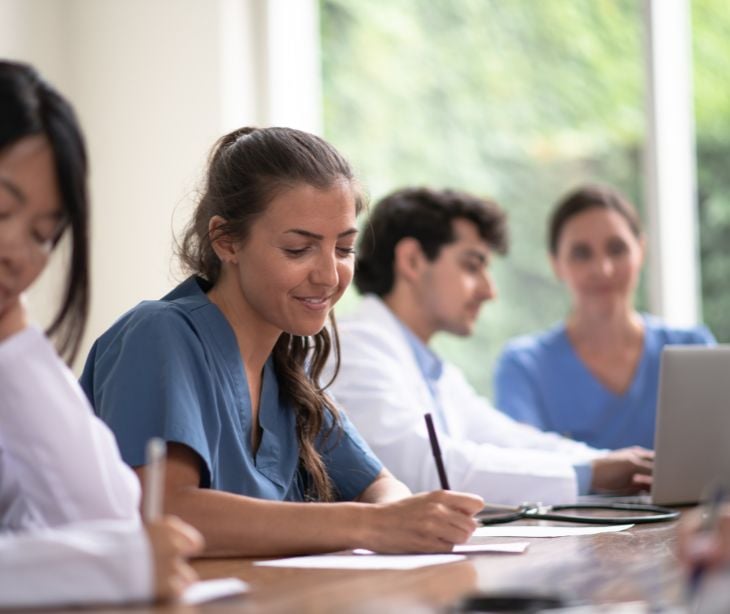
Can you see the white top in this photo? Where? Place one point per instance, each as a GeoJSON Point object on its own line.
{"type": "Point", "coordinates": [89, 563]}
{"type": "Point", "coordinates": [383, 391]}
{"type": "Point", "coordinates": [59, 464]}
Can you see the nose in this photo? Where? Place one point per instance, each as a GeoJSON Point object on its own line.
{"type": "Point", "coordinates": [15, 253]}
{"type": "Point", "coordinates": [487, 287]}
{"type": "Point", "coordinates": [325, 272]}
{"type": "Point", "coordinates": [605, 266]}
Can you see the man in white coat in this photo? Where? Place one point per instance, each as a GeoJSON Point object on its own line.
{"type": "Point", "coordinates": [422, 265]}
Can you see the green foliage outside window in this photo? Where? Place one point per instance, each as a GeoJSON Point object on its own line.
{"type": "Point", "coordinates": [519, 100]}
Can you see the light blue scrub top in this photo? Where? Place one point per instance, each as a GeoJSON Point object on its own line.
{"type": "Point", "coordinates": [540, 380]}
{"type": "Point", "coordinates": [172, 369]}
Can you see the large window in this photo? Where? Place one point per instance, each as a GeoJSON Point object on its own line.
{"type": "Point", "coordinates": [518, 100]}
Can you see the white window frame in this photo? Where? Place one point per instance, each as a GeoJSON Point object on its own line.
{"type": "Point", "coordinates": [290, 81]}
{"type": "Point", "coordinates": [670, 178]}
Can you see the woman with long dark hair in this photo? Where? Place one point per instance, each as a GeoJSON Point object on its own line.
{"type": "Point", "coordinates": [227, 368]}
{"type": "Point", "coordinates": [66, 496]}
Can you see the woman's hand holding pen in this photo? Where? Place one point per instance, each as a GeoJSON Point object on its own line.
{"type": "Point", "coordinates": [427, 522]}
{"type": "Point", "coordinates": [172, 542]}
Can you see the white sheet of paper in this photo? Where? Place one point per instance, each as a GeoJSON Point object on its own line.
{"type": "Point", "coordinates": [509, 548]}
{"type": "Point", "coordinates": [208, 590]}
{"type": "Point", "coordinates": [531, 531]}
{"type": "Point", "coordinates": [632, 607]}
{"type": "Point", "coordinates": [375, 561]}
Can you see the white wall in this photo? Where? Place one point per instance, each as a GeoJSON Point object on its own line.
{"type": "Point", "coordinates": [154, 82]}
{"type": "Point", "coordinates": [35, 32]}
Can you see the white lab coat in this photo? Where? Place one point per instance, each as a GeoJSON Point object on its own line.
{"type": "Point", "coordinates": [486, 452]}
{"type": "Point", "coordinates": [89, 563]}
{"type": "Point", "coordinates": [59, 464]}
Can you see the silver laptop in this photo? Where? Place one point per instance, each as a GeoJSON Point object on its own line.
{"type": "Point", "coordinates": [692, 439]}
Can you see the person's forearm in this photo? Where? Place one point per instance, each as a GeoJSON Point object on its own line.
{"type": "Point", "coordinates": [384, 489]}
{"type": "Point", "coordinates": [234, 525]}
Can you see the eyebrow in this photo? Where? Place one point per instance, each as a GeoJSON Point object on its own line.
{"type": "Point", "coordinates": [314, 235]}
{"type": "Point", "coordinates": [472, 253]}
{"type": "Point", "coordinates": [13, 189]}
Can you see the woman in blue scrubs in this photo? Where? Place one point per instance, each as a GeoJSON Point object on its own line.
{"type": "Point", "coordinates": [593, 377]}
{"type": "Point", "coordinates": [226, 368]}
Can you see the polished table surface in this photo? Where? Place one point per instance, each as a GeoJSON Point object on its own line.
{"type": "Point", "coordinates": [636, 564]}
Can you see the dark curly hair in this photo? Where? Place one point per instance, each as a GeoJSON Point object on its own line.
{"type": "Point", "coordinates": [425, 215]}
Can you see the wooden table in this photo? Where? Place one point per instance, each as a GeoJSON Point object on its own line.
{"type": "Point", "coordinates": [637, 564]}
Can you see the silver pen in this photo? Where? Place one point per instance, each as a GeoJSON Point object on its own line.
{"type": "Point", "coordinates": [154, 479]}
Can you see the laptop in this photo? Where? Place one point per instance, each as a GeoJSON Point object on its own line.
{"type": "Point", "coordinates": [692, 437]}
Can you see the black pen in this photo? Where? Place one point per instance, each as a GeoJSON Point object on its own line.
{"type": "Point", "coordinates": [436, 449]}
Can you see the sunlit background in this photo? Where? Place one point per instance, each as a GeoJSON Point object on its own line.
{"type": "Point", "coordinates": [522, 100]}
{"type": "Point", "coordinates": [519, 100]}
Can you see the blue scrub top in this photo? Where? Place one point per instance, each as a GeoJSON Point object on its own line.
{"type": "Point", "coordinates": [172, 369]}
{"type": "Point", "coordinates": [541, 380]}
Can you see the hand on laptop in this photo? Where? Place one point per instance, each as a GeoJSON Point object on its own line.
{"type": "Point", "coordinates": [628, 470]}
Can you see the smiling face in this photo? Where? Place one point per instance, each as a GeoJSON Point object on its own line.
{"type": "Point", "coordinates": [452, 288]}
{"type": "Point", "coordinates": [297, 259]}
{"type": "Point", "coordinates": [30, 215]}
{"type": "Point", "coordinates": [599, 259]}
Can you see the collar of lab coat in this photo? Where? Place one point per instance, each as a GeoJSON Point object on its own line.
{"type": "Point", "coordinates": [373, 312]}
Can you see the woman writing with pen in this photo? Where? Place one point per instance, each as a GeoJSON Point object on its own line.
{"type": "Point", "coordinates": [65, 494]}
{"type": "Point", "coordinates": [226, 368]}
